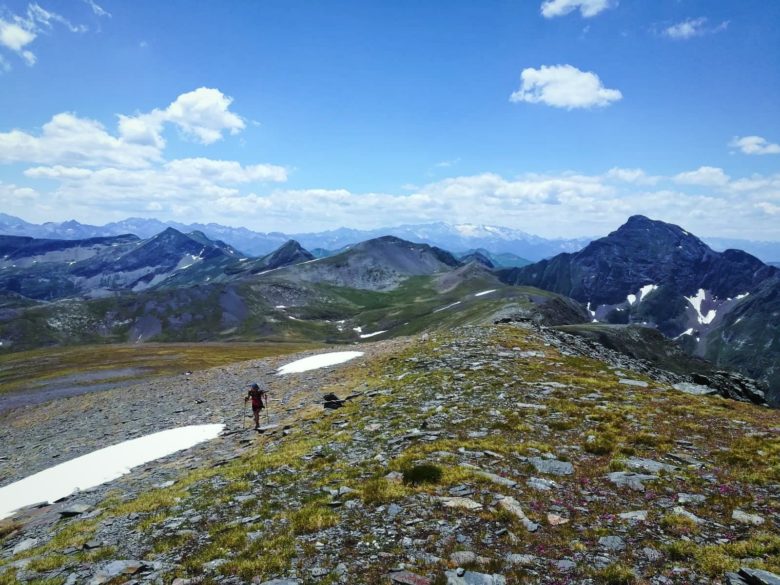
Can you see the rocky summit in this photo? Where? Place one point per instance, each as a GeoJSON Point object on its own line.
{"type": "Point", "coordinates": [508, 453]}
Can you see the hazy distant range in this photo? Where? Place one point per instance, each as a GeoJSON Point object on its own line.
{"type": "Point", "coordinates": [453, 237]}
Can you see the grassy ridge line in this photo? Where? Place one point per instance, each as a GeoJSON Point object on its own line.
{"type": "Point", "coordinates": [286, 474]}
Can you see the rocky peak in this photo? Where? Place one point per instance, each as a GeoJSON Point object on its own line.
{"type": "Point", "coordinates": [291, 252]}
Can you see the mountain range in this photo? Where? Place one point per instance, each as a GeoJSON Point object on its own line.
{"type": "Point", "coordinates": [174, 286]}
{"type": "Point", "coordinates": [458, 238]}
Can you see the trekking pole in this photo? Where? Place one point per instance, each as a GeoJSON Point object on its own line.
{"type": "Point", "coordinates": [267, 415]}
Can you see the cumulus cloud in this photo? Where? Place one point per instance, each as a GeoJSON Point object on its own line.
{"type": "Point", "coordinates": [17, 32]}
{"type": "Point", "coordinates": [202, 114]}
{"type": "Point", "coordinates": [704, 177]}
{"type": "Point", "coordinates": [563, 86]}
{"type": "Point", "coordinates": [562, 204]}
{"type": "Point", "coordinates": [755, 145]}
{"type": "Point", "coordinates": [693, 27]}
{"type": "Point", "coordinates": [587, 8]}
{"type": "Point", "coordinates": [67, 139]}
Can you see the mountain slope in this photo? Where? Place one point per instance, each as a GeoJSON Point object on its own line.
{"type": "Point", "coordinates": [379, 264]}
{"type": "Point", "coordinates": [484, 455]}
{"type": "Point", "coordinates": [650, 272]}
{"type": "Point", "coordinates": [45, 269]}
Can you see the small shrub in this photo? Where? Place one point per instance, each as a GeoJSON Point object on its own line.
{"type": "Point", "coordinates": [422, 473]}
{"type": "Point", "coordinates": [312, 518]}
{"type": "Point", "coordinates": [8, 527]}
{"type": "Point", "coordinates": [600, 444]}
{"type": "Point", "coordinates": [381, 491]}
{"type": "Point", "coordinates": [646, 439]}
{"type": "Point", "coordinates": [616, 574]}
{"type": "Point", "coordinates": [678, 524]}
{"type": "Point", "coordinates": [681, 550]}
{"type": "Point", "coordinates": [617, 465]}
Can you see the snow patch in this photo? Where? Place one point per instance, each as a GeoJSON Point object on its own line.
{"type": "Point", "coordinates": [485, 292]}
{"type": "Point", "coordinates": [358, 329]}
{"type": "Point", "coordinates": [314, 362]}
{"type": "Point", "coordinates": [100, 466]}
{"type": "Point", "coordinates": [686, 332]}
{"type": "Point", "coordinates": [447, 307]}
{"type": "Point", "coordinates": [375, 333]}
{"type": "Point", "coordinates": [643, 292]}
{"type": "Point", "coordinates": [646, 290]}
{"type": "Point", "coordinates": [742, 296]}
{"type": "Point", "coordinates": [696, 302]}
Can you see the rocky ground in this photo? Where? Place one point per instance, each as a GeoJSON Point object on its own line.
{"type": "Point", "coordinates": [487, 455]}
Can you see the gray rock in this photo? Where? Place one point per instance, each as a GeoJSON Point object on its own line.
{"type": "Point", "coordinates": [690, 498]}
{"type": "Point", "coordinates": [746, 518]}
{"type": "Point", "coordinates": [24, 545]}
{"type": "Point", "coordinates": [463, 557]}
{"type": "Point", "coordinates": [759, 577]}
{"type": "Point", "coordinates": [472, 578]}
{"type": "Point", "coordinates": [75, 510]}
{"type": "Point", "coordinates": [215, 564]}
{"type": "Point", "coordinates": [683, 512]}
{"type": "Point", "coordinates": [319, 571]}
{"type": "Point", "coordinates": [637, 383]}
{"type": "Point", "coordinates": [114, 569]}
{"type": "Point", "coordinates": [630, 480]}
{"type": "Point", "coordinates": [695, 389]}
{"type": "Point", "coordinates": [541, 484]}
{"type": "Point", "coordinates": [408, 578]}
{"type": "Point", "coordinates": [648, 465]}
{"type": "Point", "coordinates": [512, 506]}
{"type": "Point", "coordinates": [652, 554]}
{"type": "Point", "coordinates": [520, 560]}
{"type": "Point", "coordinates": [638, 515]}
{"type": "Point", "coordinates": [551, 466]}
{"type": "Point", "coordinates": [565, 565]}
{"type": "Point", "coordinates": [282, 582]}
{"type": "Point", "coordinates": [612, 543]}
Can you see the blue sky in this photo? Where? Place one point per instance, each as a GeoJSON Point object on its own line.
{"type": "Point", "coordinates": [557, 117]}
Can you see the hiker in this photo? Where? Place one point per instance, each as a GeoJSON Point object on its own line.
{"type": "Point", "coordinates": [259, 401]}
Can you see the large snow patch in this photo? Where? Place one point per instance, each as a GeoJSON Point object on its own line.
{"type": "Point", "coordinates": [322, 360]}
{"type": "Point", "coordinates": [100, 466]}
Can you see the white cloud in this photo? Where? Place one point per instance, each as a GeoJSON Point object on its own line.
{"type": "Point", "coordinates": [768, 208]}
{"type": "Point", "coordinates": [637, 176]}
{"type": "Point", "coordinates": [755, 145]}
{"type": "Point", "coordinates": [562, 204]}
{"type": "Point", "coordinates": [202, 114]}
{"type": "Point", "coordinates": [563, 86]}
{"type": "Point", "coordinates": [704, 177]}
{"type": "Point", "coordinates": [693, 27]}
{"type": "Point", "coordinates": [16, 38]}
{"type": "Point", "coordinates": [98, 10]}
{"type": "Point", "coordinates": [17, 32]}
{"type": "Point", "coordinates": [69, 140]}
{"type": "Point", "coordinates": [587, 8]}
